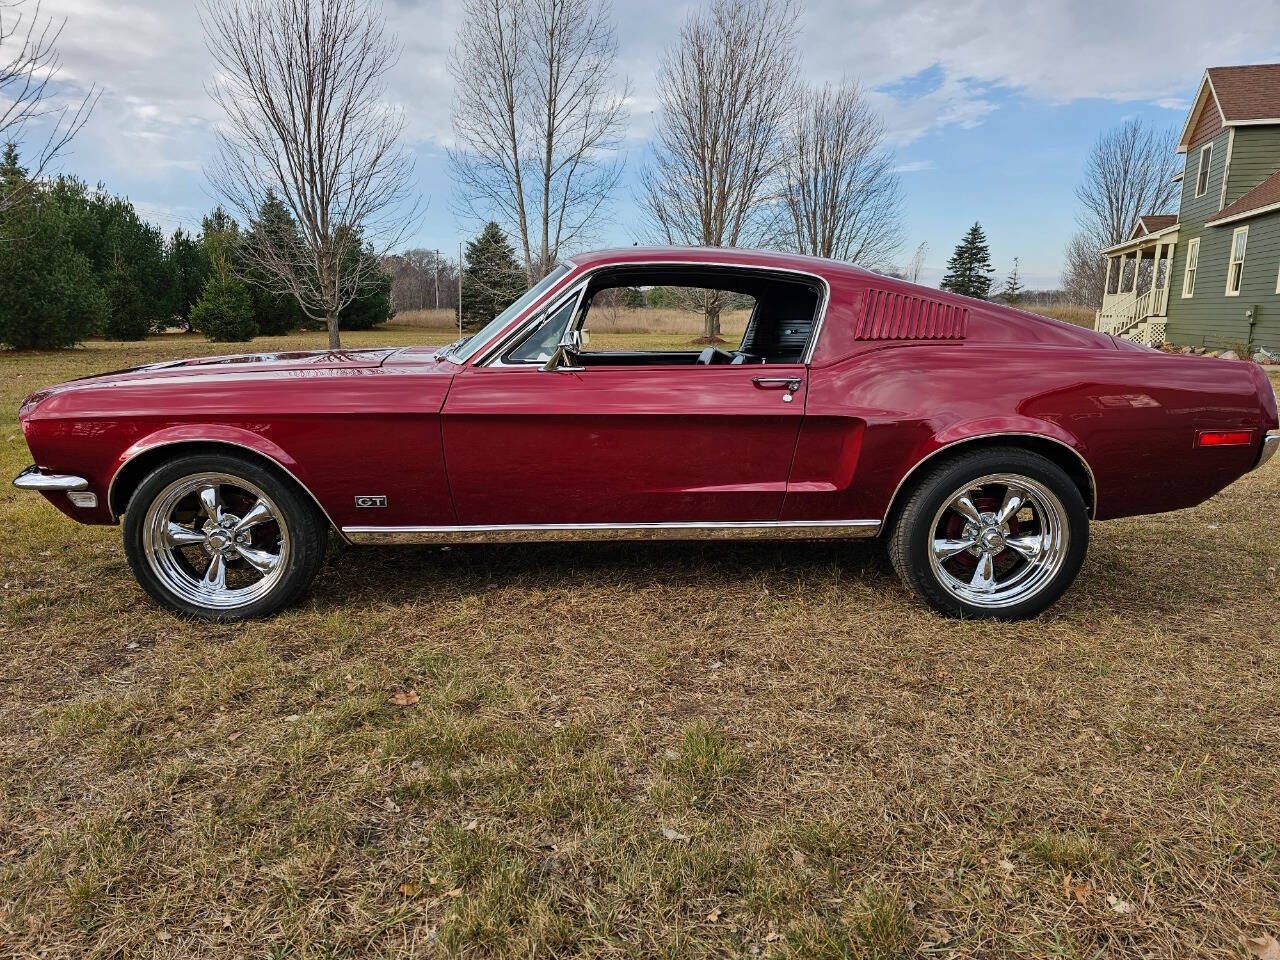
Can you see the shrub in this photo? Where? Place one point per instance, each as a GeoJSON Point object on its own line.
{"type": "Point", "coordinates": [224, 311]}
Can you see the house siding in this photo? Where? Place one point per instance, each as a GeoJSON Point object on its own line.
{"type": "Point", "coordinates": [1255, 155]}
{"type": "Point", "coordinates": [1209, 124]}
{"type": "Point", "coordinates": [1211, 318]}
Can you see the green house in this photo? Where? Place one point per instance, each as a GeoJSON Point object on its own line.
{"type": "Point", "coordinates": [1209, 276]}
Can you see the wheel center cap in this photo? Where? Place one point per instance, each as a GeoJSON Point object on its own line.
{"type": "Point", "coordinates": [218, 540]}
{"type": "Point", "coordinates": [992, 540]}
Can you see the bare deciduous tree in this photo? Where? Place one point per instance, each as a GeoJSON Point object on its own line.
{"type": "Point", "coordinates": [1084, 273]}
{"type": "Point", "coordinates": [840, 194]}
{"type": "Point", "coordinates": [537, 114]}
{"type": "Point", "coordinates": [727, 89]}
{"type": "Point", "coordinates": [1129, 173]}
{"type": "Point", "coordinates": [916, 267]}
{"type": "Point", "coordinates": [29, 64]}
{"type": "Point", "coordinates": [301, 83]}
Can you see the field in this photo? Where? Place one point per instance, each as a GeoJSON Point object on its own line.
{"type": "Point", "coordinates": [655, 750]}
{"type": "Point", "coordinates": [1068, 312]}
{"type": "Point", "coordinates": [610, 328]}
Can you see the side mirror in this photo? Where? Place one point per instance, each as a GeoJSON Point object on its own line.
{"type": "Point", "coordinates": [566, 352]}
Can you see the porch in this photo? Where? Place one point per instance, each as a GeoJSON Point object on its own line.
{"type": "Point", "coordinates": [1135, 300]}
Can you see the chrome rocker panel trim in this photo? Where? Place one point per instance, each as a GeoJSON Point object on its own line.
{"type": "Point", "coordinates": [1270, 444]}
{"type": "Point", "coordinates": [547, 532]}
{"type": "Point", "coordinates": [32, 479]}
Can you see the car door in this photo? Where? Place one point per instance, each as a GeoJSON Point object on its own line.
{"type": "Point", "coordinates": [678, 444]}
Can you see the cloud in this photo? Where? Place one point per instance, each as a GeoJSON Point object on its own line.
{"type": "Point", "coordinates": [913, 166]}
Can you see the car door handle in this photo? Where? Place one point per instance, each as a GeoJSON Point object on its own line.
{"type": "Point", "coordinates": [791, 384]}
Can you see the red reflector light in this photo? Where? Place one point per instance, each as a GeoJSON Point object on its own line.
{"type": "Point", "coordinates": [1224, 438]}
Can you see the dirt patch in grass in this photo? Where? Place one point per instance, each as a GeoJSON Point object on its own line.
{"type": "Point", "coordinates": [638, 750]}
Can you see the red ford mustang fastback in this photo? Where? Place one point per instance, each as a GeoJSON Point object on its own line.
{"type": "Point", "coordinates": [977, 441]}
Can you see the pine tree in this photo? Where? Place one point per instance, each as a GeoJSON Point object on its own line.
{"type": "Point", "coordinates": [969, 271]}
{"type": "Point", "coordinates": [491, 280]}
{"type": "Point", "coordinates": [188, 270]}
{"type": "Point", "coordinates": [1013, 289]}
{"type": "Point", "coordinates": [275, 232]}
{"type": "Point", "coordinates": [225, 308]}
{"type": "Point", "coordinates": [129, 316]}
{"type": "Point", "coordinates": [372, 305]}
{"type": "Point", "coordinates": [49, 294]}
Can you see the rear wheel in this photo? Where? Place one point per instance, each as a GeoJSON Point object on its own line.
{"type": "Point", "coordinates": [220, 537]}
{"type": "Point", "coordinates": [997, 534]}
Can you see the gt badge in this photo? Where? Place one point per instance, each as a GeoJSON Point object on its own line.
{"type": "Point", "coordinates": [371, 501]}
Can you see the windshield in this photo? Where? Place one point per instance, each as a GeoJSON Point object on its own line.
{"type": "Point", "coordinates": [464, 350]}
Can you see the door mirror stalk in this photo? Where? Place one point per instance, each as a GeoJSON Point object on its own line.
{"type": "Point", "coordinates": [565, 357]}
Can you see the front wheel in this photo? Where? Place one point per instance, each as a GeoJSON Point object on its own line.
{"type": "Point", "coordinates": [996, 534]}
{"type": "Point", "coordinates": [220, 537]}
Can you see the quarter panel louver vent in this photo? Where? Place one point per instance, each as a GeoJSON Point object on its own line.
{"type": "Point", "coordinates": [897, 316]}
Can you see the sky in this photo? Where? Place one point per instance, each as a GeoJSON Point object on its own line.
{"type": "Point", "coordinates": [991, 106]}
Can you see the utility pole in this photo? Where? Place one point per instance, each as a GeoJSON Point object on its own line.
{"type": "Point", "coordinates": [437, 253]}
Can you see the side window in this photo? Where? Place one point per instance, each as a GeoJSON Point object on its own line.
{"type": "Point", "coordinates": [666, 318]}
{"type": "Point", "coordinates": [679, 314]}
{"type": "Point", "coordinates": [1202, 172]}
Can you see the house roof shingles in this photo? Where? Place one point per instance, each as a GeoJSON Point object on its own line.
{"type": "Point", "coordinates": [1266, 194]}
{"type": "Point", "coordinates": [1247, 93]}
{"type": "Point", "coordinates": [1158, 221]}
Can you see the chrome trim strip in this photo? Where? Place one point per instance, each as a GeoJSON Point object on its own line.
{"type": "Point", "coordinates": [546, 532]}
{"type": "Point", "coordinates": [1093, 482]}
{"type": "Point", "coordinates": [1270, 444]}
{"type": "Point", "coordinates": [228, 443]}
{"type": "Point", "coordinates": [484, 356]}
{"type": "Point", "coordinates": [33, 479]}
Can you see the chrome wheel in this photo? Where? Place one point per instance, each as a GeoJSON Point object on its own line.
{"type": "Point", "coordinates": [998, 540]}
{"type": "Point", "coordinates": [215, 540]}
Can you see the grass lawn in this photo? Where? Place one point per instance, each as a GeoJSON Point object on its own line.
{"type": "Point", "coordinates": [654, 750]}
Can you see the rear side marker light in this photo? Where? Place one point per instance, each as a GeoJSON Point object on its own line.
{"type": "Point", "coordinates": [1224, 438]}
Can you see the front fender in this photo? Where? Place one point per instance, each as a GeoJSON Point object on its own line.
{"type": "Point", "coordinates": [215, 434]}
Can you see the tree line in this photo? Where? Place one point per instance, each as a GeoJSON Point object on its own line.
{"type": "Point", "coordinates": [80, 262]}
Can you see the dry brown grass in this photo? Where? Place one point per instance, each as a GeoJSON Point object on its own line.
{"type": "Point", "coordinates": [1068, 312]}
{"type": "Point", "coordinates": [445, 321]}
{"type": "Point", "coordinates": [654, 750]}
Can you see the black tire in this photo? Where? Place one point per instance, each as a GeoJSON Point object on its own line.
{"type": "Point", "coordinates": [294, 521]}
{"type": "Point", "coordinates": [926, 512]}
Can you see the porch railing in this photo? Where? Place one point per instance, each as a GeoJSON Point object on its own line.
{"type": "Point", "coordinates": [1122, 315]}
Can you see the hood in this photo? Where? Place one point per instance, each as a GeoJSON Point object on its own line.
{"type": "Point", "coordinates": [310, 359]}
{"type": "Point", "coordinates": [239, 363]}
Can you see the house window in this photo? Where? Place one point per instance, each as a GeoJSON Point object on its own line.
{"type": "Point", "coordinates": [1278, 281]}
{"type": "Point", "coordinates": [1193, 261]}
{"type": "Point", "coordinates": [1202, 175]}
{"type": "Point", "coordinates": [1235, 269]}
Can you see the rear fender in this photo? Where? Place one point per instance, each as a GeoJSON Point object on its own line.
{"type": "Point", "coordinates": [989, 431]}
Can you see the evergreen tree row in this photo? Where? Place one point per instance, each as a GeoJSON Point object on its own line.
{"type": "Point", "coordinates": [76, 262]}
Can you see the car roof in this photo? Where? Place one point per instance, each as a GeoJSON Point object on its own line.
{"type": "Point", "coordinates": [719, 256]}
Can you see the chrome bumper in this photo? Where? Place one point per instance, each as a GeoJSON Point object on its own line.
{"type": "Point", "coordinates": [1270, 444]}
{"type": "Point", "coordinates": [32, 479]}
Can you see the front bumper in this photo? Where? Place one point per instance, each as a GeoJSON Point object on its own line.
{"type": "Point", "coordinates": [76, 488]}
{"type": "Point", "coordinates": [1270, 444]}
{"type": "Point", "coordinates": [33, 478]}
